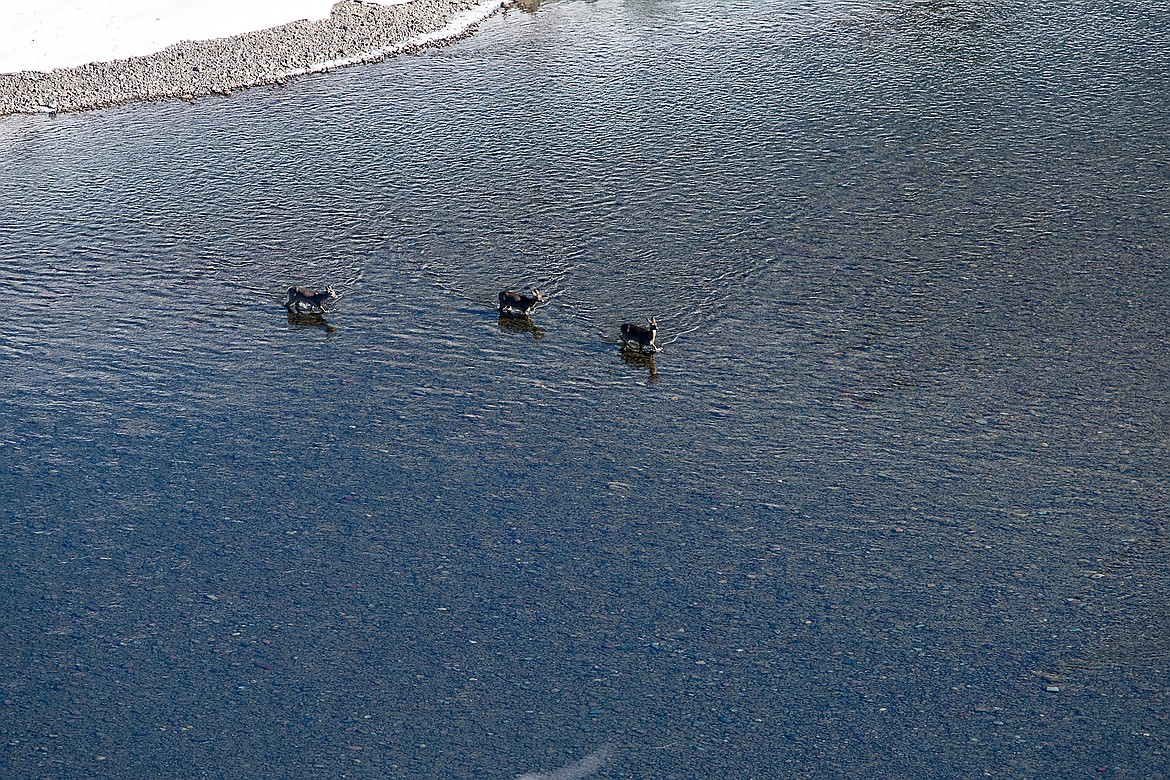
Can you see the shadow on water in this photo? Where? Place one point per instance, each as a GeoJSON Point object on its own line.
{"type": "Point", "coordinates": [948, 15]}
{"type": "Point", "coordinates": [940, 24]}
{"type": "Point", "coordinates": [521, 324]}
{"type": "Point", "coordinates": [302, 319]}
{"type": "Point", "coordinates": [1125, 584]}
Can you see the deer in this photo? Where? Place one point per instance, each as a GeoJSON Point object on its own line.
{"type": "Point", "coordinates": [299, 295]}
{"type": "Point", "coordinates": [643, 337]}
{"type": "Point", "coordinates": [521, 304]}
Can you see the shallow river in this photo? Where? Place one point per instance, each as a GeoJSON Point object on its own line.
{"type": "Point", "coordinates": [890, 502]}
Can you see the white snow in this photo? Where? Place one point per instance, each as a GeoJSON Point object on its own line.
{"type": "Point", "coordinates": [47, 34]}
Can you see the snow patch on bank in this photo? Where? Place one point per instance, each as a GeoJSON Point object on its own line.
{"type": "Point", "coordinates": [42, 35]}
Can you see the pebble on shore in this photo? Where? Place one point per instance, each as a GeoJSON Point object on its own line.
{"type": "Point", "coordinates": [354, 32]}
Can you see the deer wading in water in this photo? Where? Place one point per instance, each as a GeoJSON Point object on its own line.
{"type": "Point", "coordinates": [299, 295]}
{"type": "Point", "coordinates": [521, 304]}
{"type": "Point", "coordinates": [643, 337]}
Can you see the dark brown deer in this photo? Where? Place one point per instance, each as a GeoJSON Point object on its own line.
{"type": "Point", "coordinates": [521, 304]}
{"type": "Point", "coordinates": [299, 295]}
{"type": "Point", "coordinates": [643, 337]}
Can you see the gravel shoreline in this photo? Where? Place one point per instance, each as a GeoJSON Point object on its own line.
{"type": "Point", "coordinates": [355, 32]}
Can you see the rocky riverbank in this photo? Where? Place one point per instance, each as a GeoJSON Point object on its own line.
{"type": "Point", "coordinates": [354, 32]}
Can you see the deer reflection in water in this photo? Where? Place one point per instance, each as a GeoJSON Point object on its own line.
{"type": "Point", "coordinates": [308, 319]}
{"type": "Point", "coordinates": [521, 325]}
{"type": "Point", "coordinates": [641, 359]}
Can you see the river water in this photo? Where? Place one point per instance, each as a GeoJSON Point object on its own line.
{"type": "Point", "coordinates": [891, 501]}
